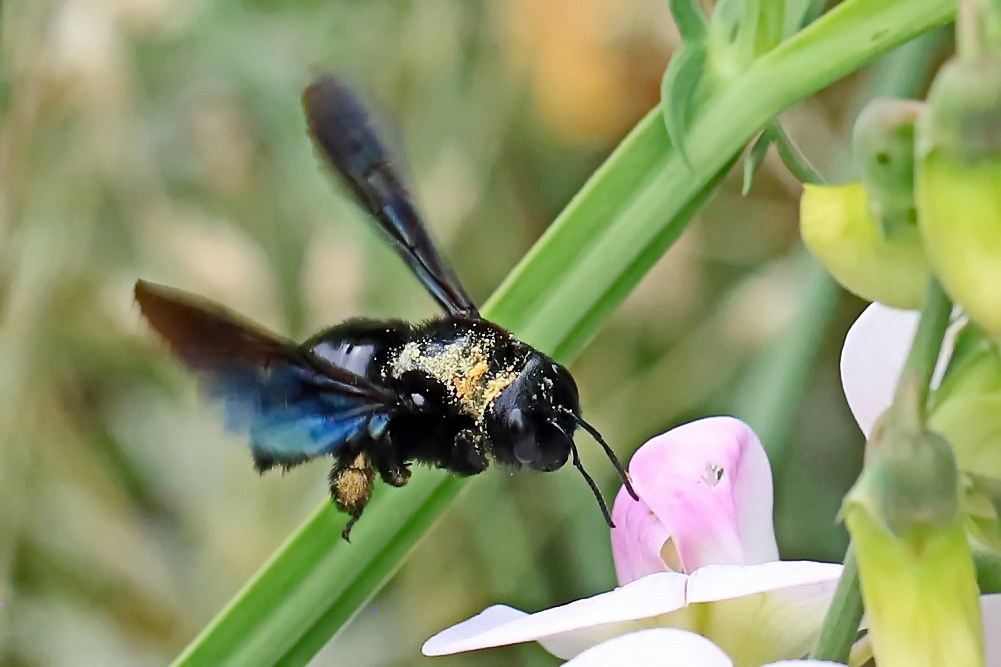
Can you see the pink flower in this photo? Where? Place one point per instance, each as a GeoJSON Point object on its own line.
{"type": "Point", "coordinates": [697, 552]}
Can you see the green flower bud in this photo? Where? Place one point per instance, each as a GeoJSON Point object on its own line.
{"type": "Point", "coordinates": [916, 570]}
{"type": "Point", "coordinates": [958, 181]}
{"type": "Point", "coordinates": [838, 226]}
{"type": "Point", "coordinates": [911, 481]}
{"type": "Point", "coordinates": [920, 593]}
{"type": "Point", "coordinates": [964, 111]}
{"type": "Point", "coordinates": [884, 147]}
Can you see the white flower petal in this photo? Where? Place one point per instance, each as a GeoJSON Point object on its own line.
{"type": "Point", "coordinates": [990, 610]}
{"type": "Point", "coordinates": [764, 612]}
{"type": "Point", "coordinates": [654, 648]}
{"type": "Point", "coordinates": [725, 582]}
{"type": "Point", "coordinates": [488, 619]}
{"type": "Point", "coordinates": [871, 360]}
{"type": "Point", "coordinates": [650, 596]}
{"type": "Point", "coordinates": [873, 356]}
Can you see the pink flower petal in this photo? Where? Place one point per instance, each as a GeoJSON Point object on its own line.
{"type": "Point", "coordinates": [638, 540]}
{"type": "Point", "coordinates": [710, 486]}
{"type": "Point", "coordinates": [652, 596]}
{"type": "Point", "coordinates": [654, 648]}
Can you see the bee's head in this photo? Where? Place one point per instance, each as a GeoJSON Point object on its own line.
{"type": "Point", "coordinates": [531, 423]}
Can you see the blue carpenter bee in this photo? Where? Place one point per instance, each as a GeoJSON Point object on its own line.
{"type": "Point", "coordinates": [378, 395]}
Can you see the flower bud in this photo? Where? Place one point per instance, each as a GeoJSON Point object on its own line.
{"type": "Point", "coordinates": [958, 178]}
{"type": "Point", "coordinates": [916, 571]}
{"type": "Point", "coordinates": [884, 147]}
{"type": "Point", "coordinates": [838, 226]}
{"type": "Point", "coordinates": [920, 593]}
{"type": "Point", "coordinates": [911, 480]}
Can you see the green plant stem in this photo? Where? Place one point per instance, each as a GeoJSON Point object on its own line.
{"type": "Point", "coordinates": [840, 628]}
{"type": "Point", "coordinates": [924, 352]}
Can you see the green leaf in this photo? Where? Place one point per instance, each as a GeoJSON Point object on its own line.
{"type": "Point", "coordinates": [761, 28]}
{"type": "Point", "coordinates": [690, 19]}
{"type": "Point", "coordinates": [679, 92]}
{"type": "Point", "coordinates": [728, 15]}
{"type": "Point", "coordinates": [793, 158]}
{"type": "Point", "coordinates": [755, 157]}
{"type": "Point", "coordinates": [557, 298]}
{"type": "Point", "coordinates": [801, 13]}
{"type": "Point", "coordinates": [988, 571]}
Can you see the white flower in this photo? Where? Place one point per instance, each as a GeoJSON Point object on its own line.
{"type": "Point", "coordinates": [667, 646]}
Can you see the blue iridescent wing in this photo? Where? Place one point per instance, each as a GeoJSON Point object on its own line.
{"type": "Point", "coordinates": [293, 405]}
{"type": "Point", "coordinates": [341, 130]}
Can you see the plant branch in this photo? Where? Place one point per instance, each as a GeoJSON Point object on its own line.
{"type": "Point", "coordinates": [924, 352]}
{"type": "Point", "coordinates": [840, 628]}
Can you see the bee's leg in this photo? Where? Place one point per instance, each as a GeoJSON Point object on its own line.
{"type": "Point", "coordinates": [469, 453]}
{"type": "Point", "coordinates": [395, 473]}
{"type": "Point", "coordinates": [393, 469]}
{"type": "Point", "coordinates": [351, 485]}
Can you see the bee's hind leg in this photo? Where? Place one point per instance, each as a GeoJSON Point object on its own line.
{"type": "Point", "coordinates": [351, 488]}
{"type": "Point", "coordinates": [392, 469]}
{"type": "Point", "coordinates": [467, 455]}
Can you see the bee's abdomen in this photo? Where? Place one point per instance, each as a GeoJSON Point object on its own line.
{"type": "Point", "coordinates": [360, 346]}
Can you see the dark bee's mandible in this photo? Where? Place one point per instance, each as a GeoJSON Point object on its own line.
{"type": "Point", "coordinates": [378, 395]}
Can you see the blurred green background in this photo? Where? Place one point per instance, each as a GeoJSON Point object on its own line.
{"type": "Point", "coordinates": [163, 139]}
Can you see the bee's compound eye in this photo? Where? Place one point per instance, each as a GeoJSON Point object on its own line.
{"type": "Point", "coordinates": [553, 448]}
{"type": "Point", "coordinates": [523, 437]}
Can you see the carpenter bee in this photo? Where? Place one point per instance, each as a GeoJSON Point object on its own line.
{"type": "Point", "coordinates": [453, 392]}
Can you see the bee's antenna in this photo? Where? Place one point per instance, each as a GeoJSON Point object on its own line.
{"type": "Point", "coordinates": [587, 478]}
{"type": "Point", "coordinates": [626, 481]}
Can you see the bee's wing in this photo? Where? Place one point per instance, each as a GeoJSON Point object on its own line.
{"type": "Point", "coordinates": [341, 130]}
{"type": "Point", "coordinates": [292, 404]}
